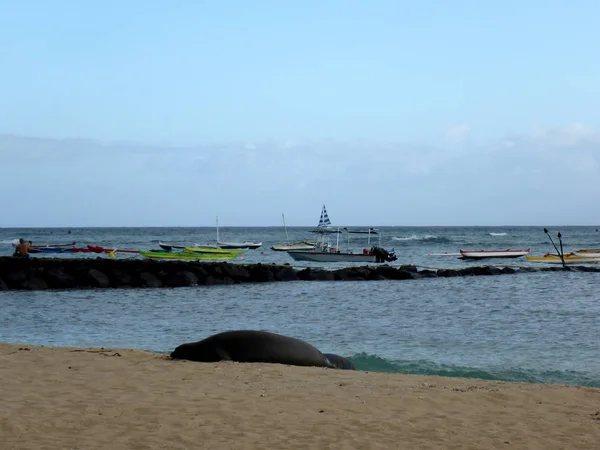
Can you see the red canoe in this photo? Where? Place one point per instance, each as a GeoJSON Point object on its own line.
{"type": "Point", "coordinates": [99, 249]}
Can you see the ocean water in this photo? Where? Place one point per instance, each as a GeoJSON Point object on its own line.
{"type": "Point", "coordinates": [530, 327]}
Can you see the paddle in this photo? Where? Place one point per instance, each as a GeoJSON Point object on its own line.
{"type": "Point", "coordinates": [555, 248]}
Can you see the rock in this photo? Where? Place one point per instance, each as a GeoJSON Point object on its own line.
{"type": "Point", "coordinates": [261, 274]}
{"type": "Point", "coordinates": [427, 273]}
{"type": "Point", "coordinates": [181, 278]}
{"type": "Point", "coordinates": [35, 283]}
{"type": "Point", "coordinates": [3, 285]}
{"type": "Point", "coordinates": [58, 279]}
{"type": "Point", "coordinates": [352, 274]}
{"type": "Point", "coordinates": [150, 281]}
{"type": "Point", "coordinates": [15, 278]}
{"type": "Point", "coordinates": [97, 279]}
{"type": "Point", "coordinates": [286, 274]}
{"type": "Point", "coordinates": [236, 272]}
{"type": "Point", "coordinates": [448, 273]}
{"type": "Point", "coordinates": [392, 273]}
{"type": "Point", "coordinates": [119, 278]}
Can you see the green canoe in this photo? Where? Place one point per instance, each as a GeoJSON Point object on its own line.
{"type": "Point", "coordinates": [187, 255]}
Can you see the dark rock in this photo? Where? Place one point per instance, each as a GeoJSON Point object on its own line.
{"type": "Point", "coordinates": [58, 279]}
{"type": "Point", "coordinates": [427, 273]}
{"type": "Point", "coordinates": [408, 268]}
{"type": "Point", "coordinates": [392, 273]}
{"type": "Point", "coordinates": [236, 272]}
{"type": "Point", "coordinates": [15, 278]}
{"type": "Point", "coordinates": [181, 278]}
{"type": "Point", "coordinates": [98, 279]}
{"type": "Point", "coordinates": [323, 275]}
{"type": "Point", "coordinates": [306, 274]}
{"type": "Point", "coordinates": [34, 283]}
{"type": "Point", "coordinates": [286, 274]}
{"type": "Point", "coordinates": [309, 274]}
{"type": "Point", "coordinates": [448, 273]}
{"type": "Point", "coordinates": [149, 280]}
{"type": "Point", "coordinates": [3, 285]}
{"type": "Point", "coordinates": [211, 280]}
{"type": "Point", "coordinates": [508, 270]}
{"type": "Point", "coordinates": [480, 270]}
{"type": "Point", "coordinates": [354, 274]}
{"type": "Point", "coordinates": [119, 278]}
{"type": "Point", "coordinates": [261, 274]}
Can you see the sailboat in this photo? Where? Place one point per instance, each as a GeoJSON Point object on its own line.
{"type": "Point", "coordinates": [324, 252]}
{"type": "Point", "coordinates": [235, 245]}
{"type": "Point", "coordinates": [294, 246]}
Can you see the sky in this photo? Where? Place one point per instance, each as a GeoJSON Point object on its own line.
{"type": "Point", "coordinates": [147, 113]}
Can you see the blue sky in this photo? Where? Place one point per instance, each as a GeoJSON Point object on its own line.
{"type": "Point", "coordinates": [389, 112]}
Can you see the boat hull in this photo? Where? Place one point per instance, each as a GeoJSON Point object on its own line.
{"type": "Point", "coordinates": [214, 250]}
{"type": "Point", "coordinates": [187, 256]}
{"type": "Point", "coordinates": [239, 245]}
{"type": "Point", "coordinates": [569, 259]}
{"type": "Point", "coordinates": [330, 256]}
{"type": "Point", "coordinates": [484, 254]}
{"type": "Point", "coordinates": [286, 248]}
{"type": "Point", "coordinates": [587, 254]}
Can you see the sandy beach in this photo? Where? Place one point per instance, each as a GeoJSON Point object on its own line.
{"type": "Point", "coordinates": [65, 398]}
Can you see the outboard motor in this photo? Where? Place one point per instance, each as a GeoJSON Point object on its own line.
{"type": "Point", "coordinates": [382, 255]}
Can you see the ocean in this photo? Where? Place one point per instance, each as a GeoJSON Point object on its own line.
{"type": "Point", "coordinates": [527, 327]}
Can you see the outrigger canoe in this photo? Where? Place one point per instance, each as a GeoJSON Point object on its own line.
{"type": "Point", "coordinates": [214, 250]}
{"type": "Point", "coordinates": [481, 254]}
{"type": "Point", "coordinates": [186, 255]}
{"type": "Point", "coordinates": [588, 253]}
{"type": "Point", "coordinates": [553, 258]}
{"type": "Point", "coordinates": [200, 249]}
{"type": "Point", "coordinates": [99, 249]}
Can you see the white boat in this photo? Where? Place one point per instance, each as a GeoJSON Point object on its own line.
{"type": "Point", "coordinates": [481, 254]}
{"type": "Point", "coordinates": [229, 245]}
{"type": "Point", "coordinates": [324, 252]}
{"type": "Point", "coordinates": [294, 246]}
{"type": "Point", "coordinates": [588, 253]}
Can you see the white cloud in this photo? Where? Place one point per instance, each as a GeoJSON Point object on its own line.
{"type": "Point", "coordinates": [517, 180]}
{"type": "Point", "coordinates": [458, 132]}
{"type": "Point", "coordinates": [564, 136]}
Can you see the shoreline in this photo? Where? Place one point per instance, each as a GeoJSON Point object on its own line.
{"type": "Point", "coordinates": [71, 273]}
{"type": "Point", "coordinates": [67, 397]}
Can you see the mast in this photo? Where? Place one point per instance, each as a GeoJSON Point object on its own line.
{"type": "Point", "coordinates": [217, 229]}
{"type": "Point", "coordinates": [287, 238]}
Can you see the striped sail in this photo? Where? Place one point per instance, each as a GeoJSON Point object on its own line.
{"type": "Point", "coordinates": [324, 220]}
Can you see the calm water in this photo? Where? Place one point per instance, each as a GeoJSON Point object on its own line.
{"type": "Point", "coordinates": [541, 327]}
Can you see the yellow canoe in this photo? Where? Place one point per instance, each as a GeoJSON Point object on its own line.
{"type": "Point", "coordinates": [555, 259]}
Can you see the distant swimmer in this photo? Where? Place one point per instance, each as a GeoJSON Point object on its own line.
{"type": "Point", "coordinates": [22, 249]}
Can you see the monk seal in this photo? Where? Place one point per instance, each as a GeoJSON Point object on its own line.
{"type": "Point", "coordinates": [339, 362]}
{"type": "Point", "coordinates": [252, 346]}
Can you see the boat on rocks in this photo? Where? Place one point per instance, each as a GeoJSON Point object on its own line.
{"type": "Point", "coordinates": [324, 252]}
{"type": "Point", "coordinates": [483, 254]}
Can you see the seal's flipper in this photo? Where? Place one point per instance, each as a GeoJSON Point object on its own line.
{"type": "Point", "coordinates": [223, 355]}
